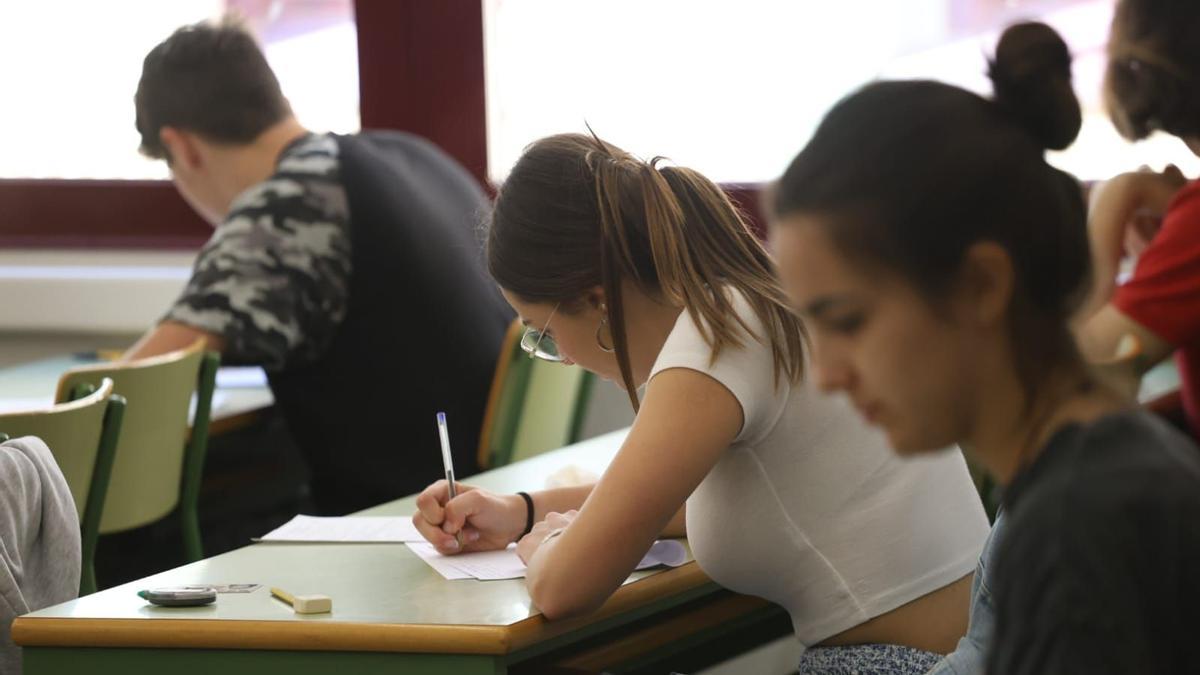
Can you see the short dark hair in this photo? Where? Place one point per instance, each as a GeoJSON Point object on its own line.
{"type": "Point", "coordinates": [210, 78]}
{"type": "Point", "coordinates": [1152, 80]}
{"type": "Point", "coordinates": [907, 175]}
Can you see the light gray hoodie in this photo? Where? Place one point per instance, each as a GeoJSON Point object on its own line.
{"type": "Point", "coordinates": [39, 539]}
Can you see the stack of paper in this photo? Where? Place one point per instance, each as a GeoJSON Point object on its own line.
{"type": "Point", "coordinates": [24, 404]}
{"type": "Point", "coordinates": [506, 564]}
{"type": "Point", "coordinates": [238, 377]}
{"type": "Point", "coordinates": [346, 530]}
{"type": "Point", "coordinates": [484, 565]}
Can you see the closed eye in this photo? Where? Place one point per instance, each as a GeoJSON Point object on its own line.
{"type": "Point", "coordinates": [846, 324]}
{"type": "Point", "coordinates": [839, 313]}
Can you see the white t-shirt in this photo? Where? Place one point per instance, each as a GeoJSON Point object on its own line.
{"type": "Point", "coordinates": [810, 509]}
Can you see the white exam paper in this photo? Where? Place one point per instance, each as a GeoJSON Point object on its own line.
{"type": "Point", "coordinates": [488, 565]}
{"type": "Point", "coordinates": [494, 565]}
{"type": "Point", "coordinates": [237, 377]}
{"type": "Point", "coordinates": [346, 530]}
{"type": "Point", "coordinates": [219, 399]}
{"type": "Point", "coordinates": [24, 404]}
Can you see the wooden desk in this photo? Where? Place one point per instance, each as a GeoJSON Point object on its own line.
{"type": "Point", "coordinates": [392, 612]}
{"type": "Point", "coordinates": [33, 385]}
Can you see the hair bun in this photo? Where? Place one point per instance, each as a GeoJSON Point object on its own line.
{"type": "Point", "coordinates": [1031, 78]}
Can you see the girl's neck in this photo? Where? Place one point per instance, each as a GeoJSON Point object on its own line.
{"type": "Point", "coordinates": [1011, 433]}
{"type": "Point", "coordinates": [649, 321]}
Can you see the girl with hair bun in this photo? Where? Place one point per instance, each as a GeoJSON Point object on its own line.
{"type": "Point", "coordinates": [937, 260]}
{"type": "Point", "coordinates": [646, 274]}
{"type": "Point", "coordinates": [1152, 83]}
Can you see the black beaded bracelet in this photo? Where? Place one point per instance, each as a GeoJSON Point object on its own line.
{"type": "Point", "coordinates": [528, 513]}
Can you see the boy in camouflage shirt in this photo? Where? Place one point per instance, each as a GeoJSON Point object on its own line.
{"type": "Point", "coordinates": [333, 261]}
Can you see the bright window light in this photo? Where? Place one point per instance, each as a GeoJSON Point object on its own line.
{"type": "Point", "coordinates": [735, 89]}
{"type": "Point", "coordinates": [72, 66]}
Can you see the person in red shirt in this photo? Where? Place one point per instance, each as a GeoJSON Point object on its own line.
{"type": "Point", "coordinates": [1152, 82]}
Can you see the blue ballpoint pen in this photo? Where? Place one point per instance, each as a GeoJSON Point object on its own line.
{"type": "Point", "coordinates": [448, 464]}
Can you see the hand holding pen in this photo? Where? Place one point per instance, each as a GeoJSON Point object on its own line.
{"type": "Point", "coordinates": [456, 517]}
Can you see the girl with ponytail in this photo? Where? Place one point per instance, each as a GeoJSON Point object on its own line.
{"type": "Point", "coordinates": [646, 274]}
{"type": "Point", "coordinates": [938, 260]}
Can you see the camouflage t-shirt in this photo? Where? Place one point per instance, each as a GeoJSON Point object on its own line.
{"type": "Point", "coordinates": [274, 278]}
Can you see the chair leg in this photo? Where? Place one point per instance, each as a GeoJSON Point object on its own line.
{"type": "Point", "coordinates": [193, 548]}
{"type": "Point", "coordinates": [87, 578]}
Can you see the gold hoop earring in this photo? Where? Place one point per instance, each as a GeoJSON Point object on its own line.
{"type": "Point", "coordinates": [603, 323]}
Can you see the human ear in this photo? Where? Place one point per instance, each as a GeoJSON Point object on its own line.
{"type": "Point", "coordinates": [986, 281]}
{"type": "Point", "coordinates": [595, 298]}
{"type": "Point", "coordinates": [181, 149]}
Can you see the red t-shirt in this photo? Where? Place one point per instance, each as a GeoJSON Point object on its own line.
{"type": "Point", "coordinates": [1163, 295]}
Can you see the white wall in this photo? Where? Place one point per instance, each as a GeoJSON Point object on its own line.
{"type": "Point", "coordinates": [55, 302]}
{"type": "Point", "coordinates": [86, 292]}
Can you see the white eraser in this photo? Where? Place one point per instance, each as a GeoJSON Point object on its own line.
{"type": "Point", "coordinates": [312, 604]}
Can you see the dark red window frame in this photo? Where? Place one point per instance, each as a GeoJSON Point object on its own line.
{"type": "Point", "coordinates": [421, 69]}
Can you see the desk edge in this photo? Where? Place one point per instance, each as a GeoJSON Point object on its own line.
{"type": "Point", "coordinates": [31, 631]}
{"type": "Point", "coordinates": [628, 598]}
{"type": "Point", "coordinates": [259, 635]}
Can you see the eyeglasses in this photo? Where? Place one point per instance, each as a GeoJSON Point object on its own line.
{"type": "Point", "coordinates": [539, 345]}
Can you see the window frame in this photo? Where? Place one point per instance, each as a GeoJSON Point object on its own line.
{"type": "Point", "coordinates": [397, 42]}
{"type": "Point", "coordinates": [399, 88]}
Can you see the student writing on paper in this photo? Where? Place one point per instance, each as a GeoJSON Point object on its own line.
{"type": "Point", "coordinates": [1152, 83]}
{"type": "Point", "coordinates": [938, 258]}
{"type": "Point", "coordinates": [645, 273]}
{"type": "Point", "coordinates": [346, 266]}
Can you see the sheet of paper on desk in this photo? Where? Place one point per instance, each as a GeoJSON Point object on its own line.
{"type": "Point", "coordinates": [482, 565]}
{"type": "Point", "coordinates": [232, 377]}
{"type": "Point", "coordinates": [346, 530]}
{"type": "Point", "coordinates": [219, 399]}
{"type": "Point", "coordinates": [8, 405]}
{"type": "Point", "coordinates": [494, 565]}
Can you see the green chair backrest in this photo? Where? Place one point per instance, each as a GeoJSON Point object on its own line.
{"type": "Point", "coordinates": [160, 456]}
{"type": "Point", "coordinates": [535, 406]}
{"type": "Point", "coordinates": [82, 435]}
{"type": "Point", "coordinates": [552, 412]}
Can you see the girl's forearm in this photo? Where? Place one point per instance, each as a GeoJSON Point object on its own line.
{"type": "Point", "coordinates": [559, 500]}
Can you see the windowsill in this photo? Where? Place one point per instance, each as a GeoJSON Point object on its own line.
{"type": "Point", "coordinates": [88, 291]}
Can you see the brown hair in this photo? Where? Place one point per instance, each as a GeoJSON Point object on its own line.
{"type": "Point", "coordinates": [209, 78]}
{"type": "Point", "coordinates": [577, 212]}
{"type": "Point", "coordinates": [1152, 80]}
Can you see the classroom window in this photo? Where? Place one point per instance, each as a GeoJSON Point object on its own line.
{"type": "Point", "coordinates": [70, 105]}
{"type": "Point", "coordinates": [735, 89]}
